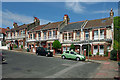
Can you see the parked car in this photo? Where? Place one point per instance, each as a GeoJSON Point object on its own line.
{"type": "Point", "coordinates": [43, 51]}
{"type": "Point", "coordinates": [72, 55]}
{"type": "Point", "coordinates": [3, 60]}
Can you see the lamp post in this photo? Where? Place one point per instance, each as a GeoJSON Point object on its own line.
{"type": "Point", "coordinates": [88, 48]}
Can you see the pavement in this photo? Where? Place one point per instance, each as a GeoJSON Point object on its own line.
{"type": "Point", "coordinates": [107, 69]}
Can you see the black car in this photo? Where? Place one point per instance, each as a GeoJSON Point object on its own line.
{"type": "Point", "coordinates": [43, 51]}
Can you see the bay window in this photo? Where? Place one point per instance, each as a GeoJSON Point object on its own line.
{"type": "Point", "coordinates": [50, 35]}
{"type": "Point", "coordinates": [86, 35]}
{"type": "Point", "coordinates": [54, 34]}
{"type": "Point", "coordinates": [44, 35]}
{"type": "Point", "coordinates": [101, 34]}
{"type": "Point", "coordinates": [70, 36]}
{"type": "Point", "coordinates": [65, 36]}
{"type": "Point", "coordinates": [96, 34]}
{"type": "Point", "coordinates": [77, 35]}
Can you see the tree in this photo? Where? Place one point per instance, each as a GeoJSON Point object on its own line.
{"type": "Point", "coordinates": [72, 47]}
{"type": "Point", "coordinates": [117, 34]}
{"type": "Point", "coordinates": [56, 45]}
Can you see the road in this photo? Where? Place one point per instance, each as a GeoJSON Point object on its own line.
{"type": "Point", "coordinates": [21, 65]}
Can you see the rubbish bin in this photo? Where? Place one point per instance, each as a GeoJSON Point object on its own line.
{"type": "Point", "coordinates": [10, 47]}
{"type": "Point", "coordinates": [27, 49]}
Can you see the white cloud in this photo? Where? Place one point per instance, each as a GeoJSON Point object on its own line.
{"type": "Point", "coordinates": [106, 11]}
{"type": "Point", "coordinates": [9, 17]}
{"type": "Point", "coordinates": [75, 6]}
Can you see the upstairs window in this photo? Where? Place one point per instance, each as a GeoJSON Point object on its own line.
{"type": "Point", "coordinates": [30, 36]}
{"type": "Point", "coordinates": [14, 33]}
{"type": "Point", "coordinates": [39, 34]}
{"type": "Point", "coordinates": [1, 35]}
{"type": "Point", "coordinates": [65, 36]}
{"type": "Point", "coordinates": [101, 32]}
{"type": "Point", "coordinates": [70, 36]}
{"type": "Point", "coordinates": [44, 35]}
{"type": "Point", "coordinates": [96, 33]}
{"type": "Point", "coordinates": [33, 36]}
{"type": "Point", "coordinates": [77, 34]}
{"type": "Point", "coordinates": [23, 31]}
{"type": "Point", "coordinates": [50, 34]}
{"type": "Point", "coordinates": [18, 33]}
{"type": "Point", "coordinates": [86, 35]}
{"type": "Point", "coordinates": [54, 33]}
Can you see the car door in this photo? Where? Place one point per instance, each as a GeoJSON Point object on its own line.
{"type": "Point", "coordinates": [72, 55]}
{"type": "Point", "coordinates": [67, 54]}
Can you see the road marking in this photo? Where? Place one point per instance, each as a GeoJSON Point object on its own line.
{"type": "Point", "coordinates": [56, 75]}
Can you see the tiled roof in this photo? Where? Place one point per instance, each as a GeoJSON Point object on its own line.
{"type": "Point", "coordinates": [23, 26]}
{"type": "Point", "coordinates": [19, 27]}
{"type": "Point", "coordinates": [2, 30]}
{"type": "Point", "coordinates": [99, 23]}
{"type": "Point", "coordinates": [52, 25]}
{"type": "Point", "coordinates": [72, 26]}
{"type": "Point", "coordinates": [37, 27]}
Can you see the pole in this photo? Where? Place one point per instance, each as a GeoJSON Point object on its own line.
{"type": "Point", "coordinates": [88, 48]}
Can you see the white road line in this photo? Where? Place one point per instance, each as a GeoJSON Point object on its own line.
{"type": "Point", "coordinates": [65, 70]}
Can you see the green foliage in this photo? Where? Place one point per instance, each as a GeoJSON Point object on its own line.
{"type": "Point", "coordinates": [116, 45]}
{"type": "Point", "coordinates": [117, 32]}
{"type": "Point", "coordinates": [72, 47]}
{"type": "Point", "coordinates": [113, 55]}
{"type": "Point", "coordinates": [97, 53]}
{"type": "Point", "coordinates": [106, 54]}
{"type": "Point", "coordinates": [15, 46]}
{"type": "Point", "coordinates": [21, 46]}
{"type": "Point", "coordinates": [56, 44]}
{"type": "Point", "coordinates": [27, 49]}
{"type": "Point", "coordinates": [90, 54]}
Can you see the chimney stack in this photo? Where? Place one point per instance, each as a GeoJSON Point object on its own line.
{"type": "Point", "coordinates": [8, 28]}
{"type": "Point", "coordinates": [36, 21]}
{"type": "Point", "coordinates": [66, 19]}
{"type": "Point", "coordinates": [111, 13]}
{"type": "Point", "coordinates": [15, 25]}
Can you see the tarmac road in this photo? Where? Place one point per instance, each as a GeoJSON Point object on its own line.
{"type": "Point", "coordinates": [21, 65]}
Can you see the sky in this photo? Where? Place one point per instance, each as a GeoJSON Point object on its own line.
{"type": "Point", "coordinates": [24, 12]}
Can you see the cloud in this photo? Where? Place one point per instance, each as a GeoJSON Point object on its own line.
{"type": "Point", "coordinates": [106, 11]}
{"type": "Point", "coordinates": [75, 7]}
{"type": "Point", "coordinates": [9, 17]}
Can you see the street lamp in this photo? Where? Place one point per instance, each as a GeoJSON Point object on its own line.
{"type": "Point", "coordinates": [88, 48]}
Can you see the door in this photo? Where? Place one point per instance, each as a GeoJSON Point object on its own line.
{"type": "Point", "coordinates": [72, 55]}
{"type": "Point", "coordinates": [67, 54]}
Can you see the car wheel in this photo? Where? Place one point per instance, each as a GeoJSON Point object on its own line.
{"type": "Point", "coordinates": [63, 57]}
{"type": "Point", "coordinates": [77, 59]}
{"type": "Point", "coordinates": [37, 54]}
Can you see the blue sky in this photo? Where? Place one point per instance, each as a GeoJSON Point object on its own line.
{"type": "Point", "coordinates": [23, 12]}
